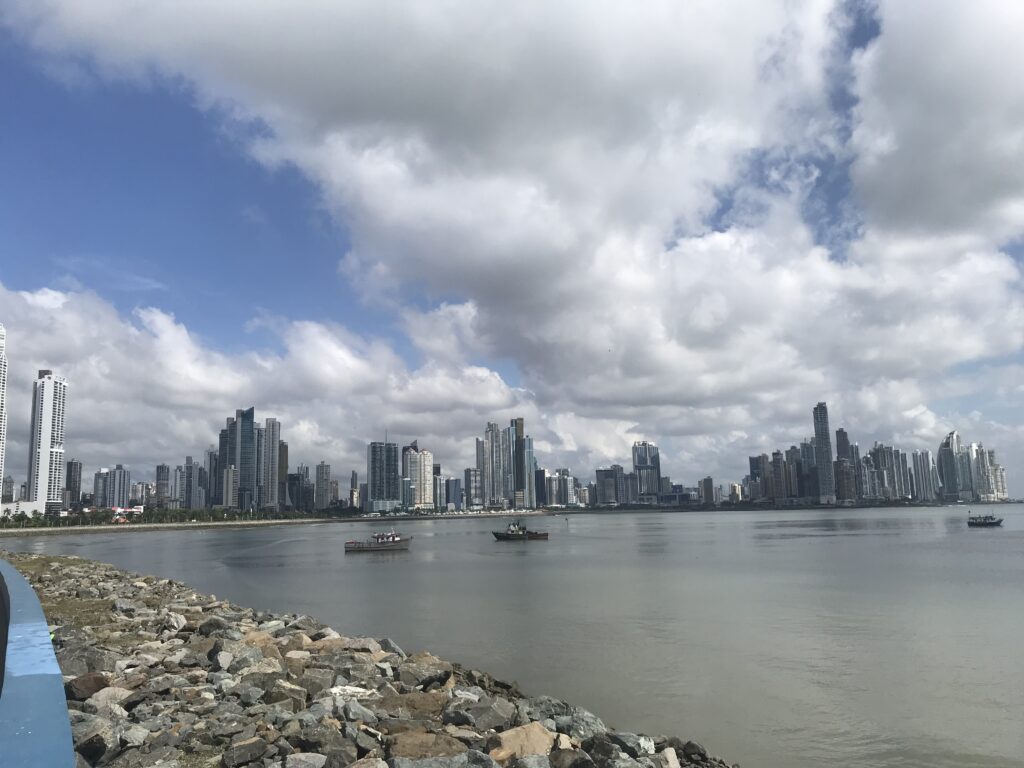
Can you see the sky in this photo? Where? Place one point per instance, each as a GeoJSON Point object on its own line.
{"type": "Point", "coordinates": [680, 222]}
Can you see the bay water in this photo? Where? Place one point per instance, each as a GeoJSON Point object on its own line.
{"type": "Point", "coordinates": [780, 639]}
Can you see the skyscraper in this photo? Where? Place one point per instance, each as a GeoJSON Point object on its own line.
{"type": "Point", "coordinates": [269, 493]}
{"type": "Point", "coordinates": [383, 484]}
{"type": "Point", "coordinates": [3, 398]}
{"type": "Point", "coordinates": [119, 487]}
{"type": "Point", "coordinates": [163, 485]}
{"type": "Point", "coordinates": [46, 449]}
{"type": "Point", "coordinates": [474, 492]}
{"type": "Point", "coordinates": [949, 466]}
{"type": "Point", "coordinates": [99, 487]}
{"type": "Point", "coordinates": [418, 467]}
{"type": "Point", "coordinates": [322, 490]}
{"type": "Point", "coordinates": [842, 444]}
{"type": "Point", "coordinates": [647, 467]}
{"type": "Point", "coordinates": [823, 455]}
{"type": "Point", "coordinates": [73, 481]}
{"type": "Point", "coordinates": [518, 427]}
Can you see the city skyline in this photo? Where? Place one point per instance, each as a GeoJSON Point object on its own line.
{"type": "Point", "coordinates": [648, 223]}
{"type": "Point", "coordinates": [249, 469]}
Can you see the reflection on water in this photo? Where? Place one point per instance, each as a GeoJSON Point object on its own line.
{"type": "Point", "coordinates": [778, 638]}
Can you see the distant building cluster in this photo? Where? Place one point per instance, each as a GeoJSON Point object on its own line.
{"type": "Point", "coordinates": [808, 473]}
{"type": "Point", "coordinates": [247, 469]}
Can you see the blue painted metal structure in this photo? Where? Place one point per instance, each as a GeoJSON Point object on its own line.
{"type": "Point", "coordinates": [34, 726]}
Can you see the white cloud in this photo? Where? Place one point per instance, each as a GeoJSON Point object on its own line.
{"type": "Point", "coordinates": [534, 184]}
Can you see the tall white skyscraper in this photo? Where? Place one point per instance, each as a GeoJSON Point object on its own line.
{"type": "Point", "coordinates": [3, 398]}
{"type": "Point", "coordinates": [46, 448]}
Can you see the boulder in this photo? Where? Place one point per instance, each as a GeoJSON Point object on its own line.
{"type": "Point", "coordinates": [306, 760]}
{"type": "Point", "coordinates": [107, 696]}
{"type": "Point", "coordinates": [292, 696]}
{"type": "Point", "coordinates": [667, 758]}
{"type": "Point", "coordinates": [469, 759]}
{"type": "Point", "coordinates": [244, 752]}
{"type": "Point", "coordinates": [316, 680]}
{"type": "Point", "coordinates": [82, 687]}
{"type": "Point", "coordinates": [532, 739]}
{"type": "Point", "coordinates": [632, 744]}
{"type": "Point", "coordinates": [530, 761]}
{"type": "Point", "coordinates": [174, 622]}
{"type": "Point", "coordinates": [355, 711]}
{"type": "Point", "coordinates": [570, 758]}
{"type": "Point", "coordinates": [416, 745]}
{"type": "Point", "coordinates": [95, 738]}
{"type": "Point", "coordinates": [423, 669]}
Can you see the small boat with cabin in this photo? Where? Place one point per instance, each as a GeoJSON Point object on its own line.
{"type": "Point", "coordinates": [983, 521]}
{"type": "Point", "coordinates": [516, 531]}
{"type": "Point", "coordinates": [384, 541]}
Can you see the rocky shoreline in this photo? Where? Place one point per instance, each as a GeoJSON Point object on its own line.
{"type": "Point", "coordinates": [157, 674]}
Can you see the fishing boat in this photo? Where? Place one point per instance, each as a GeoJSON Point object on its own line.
{"type": "Point", "coordinates": [983, 521]}
{"type": "Point", "coordinates": [385, 541]}
{"type": "Point", "coordinates": [516, 531]}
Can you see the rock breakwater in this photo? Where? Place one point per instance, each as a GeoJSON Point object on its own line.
{"type": "Point", "coordinates": [157, 674]}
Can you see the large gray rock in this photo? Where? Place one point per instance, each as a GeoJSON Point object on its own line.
{"type": "Point", "coordinates": [570, 758]}
{"type": "Point", "coordinates": [244, 752]}
{"type": "Point", "coordinates": [355, 711]}
{"type": "Point", "coordinates": [486, 714]}
{"type": "Point", "coordinates": [305, 760]}
{"type": "Point", "coordinates": [424, 669]}
{"type": "Point", "coordinates": [531, 761]}
{"type": "Point", "coordinates": [326, 741]}
{"type": "Point", "coordinates": [632, 744]}
{"type": "Point", "coordinates": [470, 759]}
{"type": "Point", "coordinates": [95, 738]}
{"type": "Point", "coordinates": [575, 722]}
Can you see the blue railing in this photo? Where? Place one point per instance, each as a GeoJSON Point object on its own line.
{"type": "Point", "coordinates": [34, 726]}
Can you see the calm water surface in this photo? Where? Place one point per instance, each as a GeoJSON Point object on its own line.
{"type": "Point", "coordinates": [778, 639]}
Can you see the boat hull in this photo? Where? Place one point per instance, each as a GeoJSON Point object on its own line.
{"type": "Point", "coordinates": [373, 546]}
{"type": "Point", "coordinates": [985, 523]}
{"type": "Point", "coordinates": [527, 536]}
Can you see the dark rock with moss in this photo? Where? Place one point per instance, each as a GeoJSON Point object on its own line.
{"type": "Point", "coordinates": [157, 674]}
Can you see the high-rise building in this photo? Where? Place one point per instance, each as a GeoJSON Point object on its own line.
{"type": "Point", "coordinates": [354, 481]}
{"type": "Point", "coordinates": [605, 487]}
{"type": "Point", "coordinates": [7, 490]}
{"type": "Point", "coordinates": [238, 448]}
{"type": "Point", "coordinates": [383, 486]}
{"type": "Point", "coordinates": [99, 487]}
{"type": "Point", "coordinates": [484, 467]}
{"type": "Point", "coordinates": [119, 487]}
{"type": "Point", "coordinates": [949, 467]}
{"type": "Point", "coordinates": [270, 490]}
{"type": "Point", "coordinates": [842, 444]}
{"type": "Point", "coordinates": [322, 491]}
{"type": "Point", "coordinates": [230, 490]}
{"type": "Point", "coordinates": [284, 501]}
{"type": "Point", "coordinates": [924, 489]}
{"type": "Point", "coordinates": [163, 485]}
{"type": "Point", "coordinates": [529, 470]}
{"type": "Point", "coordinates": [647, 467]}
{"type": "Point", "coordinates": [777, 478]}
{"type": "Point", "coordinates": [3, 398]}
{"type": "Point", "coordinates": [707, 492]}
{"type": "Point", "coordinates": [46, 449]}
{"type": "Point", "coordinates": [519, 464]}
{"type": "Point", "coordinates": [418, 466]}
{"type": "Point", "coordinates": [73, 481]}
{"type": "Point", "coordinates": [453, 492]}
{"type": "Point", "coordinates": [473, 487]}
{"type": "Point", "coordinates": [823, 455]}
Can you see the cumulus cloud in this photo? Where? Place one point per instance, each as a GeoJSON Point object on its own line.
{"type": "Point", "coordinates": [545, 184]}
